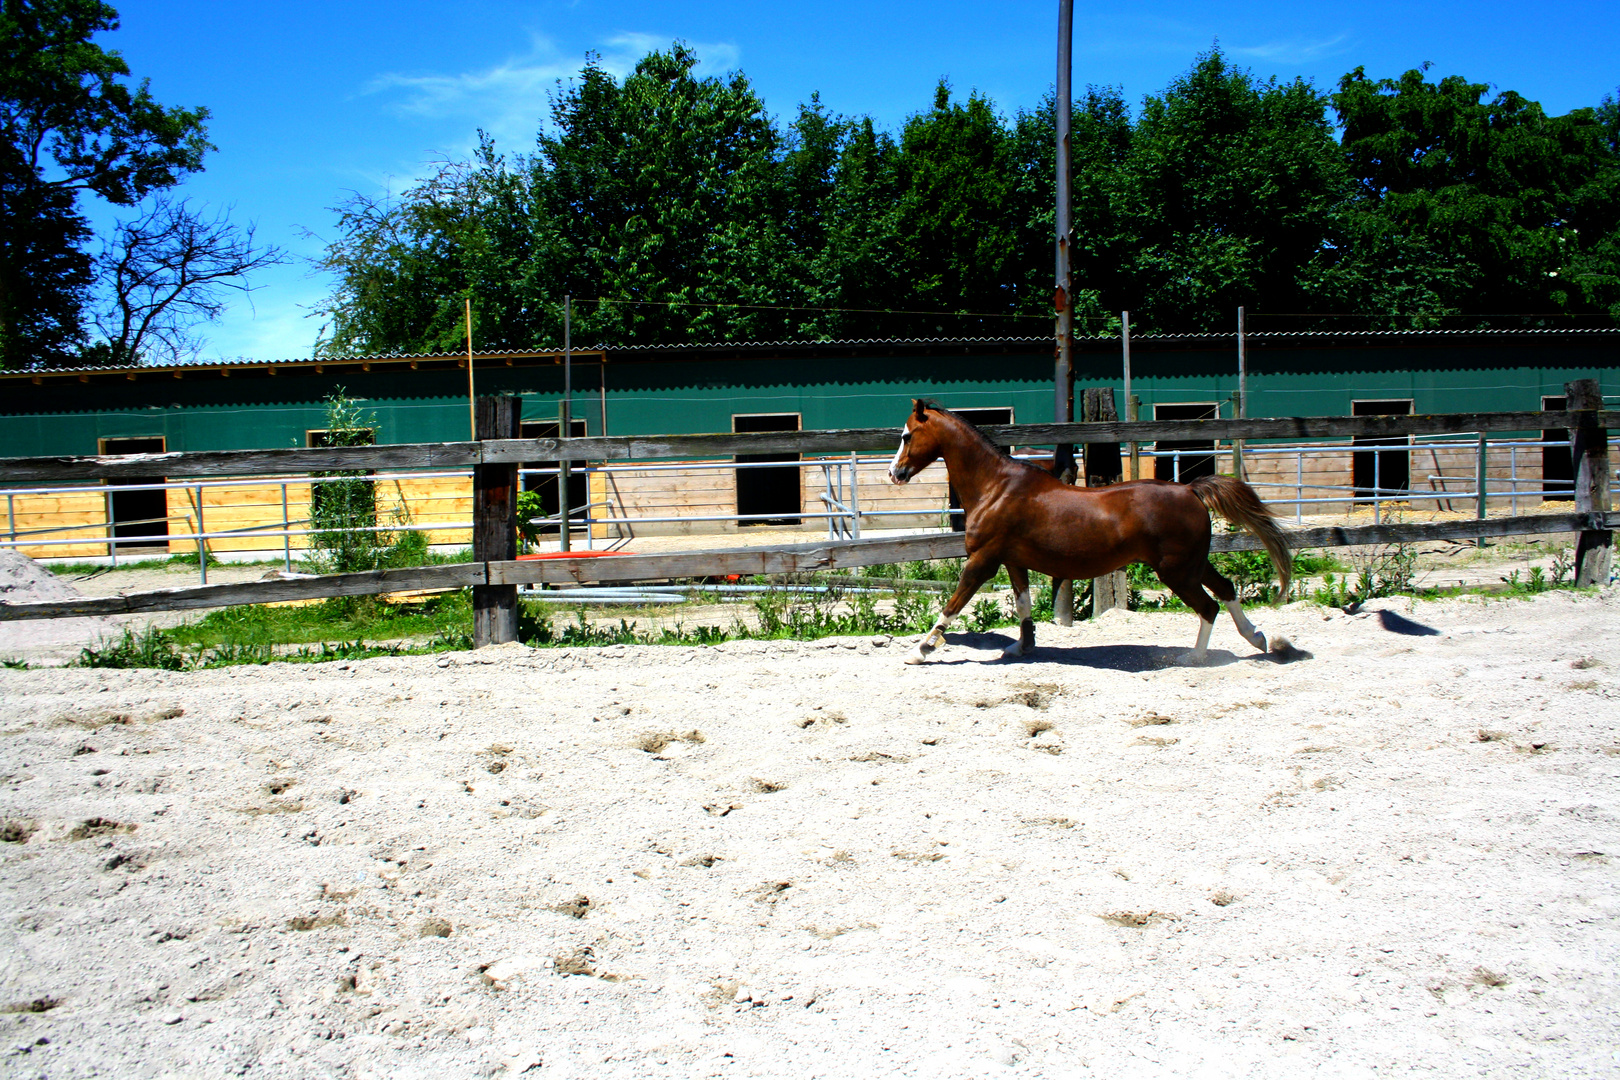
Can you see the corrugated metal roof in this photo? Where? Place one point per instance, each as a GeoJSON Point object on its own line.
{"type": "Point", "coordinates": [1259, 337]}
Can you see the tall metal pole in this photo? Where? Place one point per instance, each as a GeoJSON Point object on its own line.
{"type": "Point", "coordinates": [1063, 404]}
{"type": "Point", "coordinates": [1242, 409]}
{"type": "Point", "coordinates": [567, 415]}
{"type": "Point", "coordinates": [1130, 403]}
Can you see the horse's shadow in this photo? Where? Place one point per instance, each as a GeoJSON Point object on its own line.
{"type": "Point", "coordinates": [1124, 657]}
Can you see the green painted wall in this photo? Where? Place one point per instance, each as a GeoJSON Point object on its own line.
{"type": "Point", "coordinates": [250, 411]}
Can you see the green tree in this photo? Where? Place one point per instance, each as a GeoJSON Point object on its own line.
{"type": "Point", "coordinates": [70, 122]}
{"type": "Point", "coordinates": [1474, 204]}
{"type": "Point", "coordinates": [1099, 143]}
{"type": "Point", "coordinates": [669, 188]}
{"type": "Point", "coordinates": [1225, 193]}
{"type": "Point", "coordinates": [860, 267]}
{"type": "Point", "coordinates": [958, 216]}
{"type": "Point", "coordinates": [404, 266]}
{"type": "Point", "coordinates": [44, 269]}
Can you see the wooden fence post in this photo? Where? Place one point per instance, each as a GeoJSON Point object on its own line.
{"type": "Point", "coordinates": [1589, 446]}
{"type": "Point", "coordinates": [495, 491]}
{"type": "Point", "coordinates": [1103, 468]}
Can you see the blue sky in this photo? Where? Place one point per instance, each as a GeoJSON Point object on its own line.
{"type": "Point", "coordinates": [312, 101]}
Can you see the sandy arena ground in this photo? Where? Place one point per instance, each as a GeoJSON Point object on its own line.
{"type": "Point", "coordinates": [1401, 853]}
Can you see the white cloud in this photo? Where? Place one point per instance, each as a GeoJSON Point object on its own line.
{"type": "Point", "coordinates": [506, 100]}
{"type": "Point", "coordinates": [620, 53]}
{"type": "Point", "coordinates": [509, 99]}
{"type": "Point", "coordinates": [1292, 50]}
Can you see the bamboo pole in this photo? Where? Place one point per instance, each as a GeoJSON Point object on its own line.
{"type": "Point", "coordinates": [472, 409]}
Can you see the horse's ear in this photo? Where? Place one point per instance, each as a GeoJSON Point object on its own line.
{"type": "Point", "coordinates": [918, 410]}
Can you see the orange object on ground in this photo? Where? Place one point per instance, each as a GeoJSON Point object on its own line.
{"type": "Point", "coordinates": [572, 555]}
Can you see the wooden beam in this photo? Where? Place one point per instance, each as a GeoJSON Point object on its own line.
{"type": "Point", "coordinates": [314, 587]}
{"type": "Point", "coordinates": [197, 463]}
{"type": "Point", "coordinates": [833, 555]}
{"type": "Point", "coordinates": [789, 559]}
{"type": "Point", "coordinates": [1417, 532]}
{"type": "Point", "coordinates": [720, 445]}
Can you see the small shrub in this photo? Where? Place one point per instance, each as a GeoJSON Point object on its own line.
{"type": "Point", "coordinates": [148, 648]}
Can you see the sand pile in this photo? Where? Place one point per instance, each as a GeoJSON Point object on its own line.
{"type": "Point", "coordinates": [24, 581]}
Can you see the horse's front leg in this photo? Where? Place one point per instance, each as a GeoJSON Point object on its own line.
{"type": "Point", "coordinates": [1026, 623]}
{"type": "Point", "coordinates": [977, 571]}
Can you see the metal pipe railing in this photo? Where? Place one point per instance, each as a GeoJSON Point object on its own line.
{"type": "Point", "coordinates": [843, 511]}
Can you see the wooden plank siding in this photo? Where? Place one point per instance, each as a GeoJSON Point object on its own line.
{"type": "Point", "coordinates": [75, 514]}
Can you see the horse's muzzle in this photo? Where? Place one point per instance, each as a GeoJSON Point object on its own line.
{"type": "Point", "coordinates": [899, 476]}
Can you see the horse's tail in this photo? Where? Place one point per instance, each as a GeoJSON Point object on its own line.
{"type": "Point", "coordinates": [1237, 502]}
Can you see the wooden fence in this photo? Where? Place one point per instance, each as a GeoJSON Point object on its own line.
{"type": "Point", "coordinates": [495, 574]}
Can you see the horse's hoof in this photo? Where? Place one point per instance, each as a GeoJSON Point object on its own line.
{"type": "Point", "coordinates": [1258, 641]}
{"type": "Point", "coordinates": [1012, 652]}
{"type": "Point", "coordinates": [916, 658]}
{"type": "Point", "coordinates": [1193, 658]}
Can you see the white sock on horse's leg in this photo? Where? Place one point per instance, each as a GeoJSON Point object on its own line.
{"type": "Point", "coordinates": [1244, 626]}
{"type": "Point", "coordinates": [1026, 626]}
{"type": "Point", "coordinates": [934, 639]}
{"type": "Point", "coordinates": [1201, 650]}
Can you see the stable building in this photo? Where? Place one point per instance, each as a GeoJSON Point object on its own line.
{"type": "Point", "coordinates": [761, 386]}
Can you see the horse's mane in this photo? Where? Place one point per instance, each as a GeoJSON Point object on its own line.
{"type": "Point", "coordinates": [1000, 451]}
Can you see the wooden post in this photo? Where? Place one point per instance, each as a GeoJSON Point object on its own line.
{"type": "Point", "coordinates": [1589, 447]}
{"type": "Point", "coordinates": [1103, 468]}
{"type": "Point", "coordinates": [495, 489]}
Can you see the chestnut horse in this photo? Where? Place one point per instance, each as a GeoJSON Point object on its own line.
{"type": "Point", "coordinates": [1022, 517]}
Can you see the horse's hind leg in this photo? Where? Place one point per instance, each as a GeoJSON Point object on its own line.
{"type": "Point", "coordinates": [1026, 622]}
{"type": "Point", "coordinates": [1187, 584]}
{"type": "Point", "coordinates": [975, 573]}
{"type": "Point", "coordinates": [1227, 595]}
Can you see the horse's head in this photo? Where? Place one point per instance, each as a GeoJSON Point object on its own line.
{"type": "Point", "coordinates": [920, 443]}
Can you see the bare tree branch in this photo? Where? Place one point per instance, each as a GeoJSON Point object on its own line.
{"type": "Point", "coordinates": [169, 271]}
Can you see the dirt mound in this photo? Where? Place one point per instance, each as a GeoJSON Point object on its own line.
{"type": "Point", "coordinates": [24, 581]}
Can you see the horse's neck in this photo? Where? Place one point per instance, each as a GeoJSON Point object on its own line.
{"type": "Point", "coordinates": [973, 467]}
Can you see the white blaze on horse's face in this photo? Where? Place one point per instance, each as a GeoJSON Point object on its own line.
{"type": "Point", "coordinates": [898, 473]}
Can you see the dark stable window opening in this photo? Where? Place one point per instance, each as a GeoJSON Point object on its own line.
{"type": "Point", "coordinates": [976, 417]}
{"type": "Point", "coordinates": [1200, 461]}
{"type": "Point", "coordinates": [1385, 473]}
{"type": "Point", "coordinates": [546, 484]}
{"type": "Point", "coordinates": [140, 519]}
{"type": "Point", "coordinates": [768, 491]}
{"type": "Point", "coordinates": [1557, 466]}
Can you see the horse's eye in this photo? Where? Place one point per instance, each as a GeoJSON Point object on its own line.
{"type": "Point", "coordinates": [905, 436]}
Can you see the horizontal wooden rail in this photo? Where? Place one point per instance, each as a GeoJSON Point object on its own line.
{"type": "Point", "coordinates": [1418, 532]}
{"type": "Point", "coordinates": [832, 555]}
{"type": "Point", "coordinates": [463, 455]}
